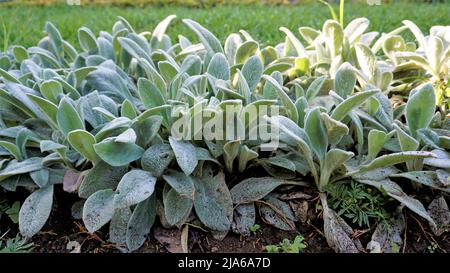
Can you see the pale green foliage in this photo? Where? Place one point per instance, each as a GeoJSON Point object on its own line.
{"type": "Point", "coordinates": [106, 112]}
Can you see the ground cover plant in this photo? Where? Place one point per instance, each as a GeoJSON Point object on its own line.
{"type": "Point", "coordinates": [359, 117]}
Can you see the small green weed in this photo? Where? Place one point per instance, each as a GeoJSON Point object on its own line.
{"type": "Point", "coordinates": [287, 246]}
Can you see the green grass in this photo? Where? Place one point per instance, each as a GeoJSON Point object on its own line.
{"type": "Point", "coordinates": [25, 23]}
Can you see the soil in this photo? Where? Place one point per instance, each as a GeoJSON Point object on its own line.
{"type": "Point", "coordinates": [64, 234]}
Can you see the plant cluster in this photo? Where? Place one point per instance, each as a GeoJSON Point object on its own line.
{"type": "Point", "coordinates": [358, 203]}
{"type": "Point", "coordinates": [98, 121]}
{"type": "Point", "coordinates": [287, 246]}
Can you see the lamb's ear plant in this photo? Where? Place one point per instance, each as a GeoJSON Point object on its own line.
{"type": "Point", "coordinates": [98, 118]}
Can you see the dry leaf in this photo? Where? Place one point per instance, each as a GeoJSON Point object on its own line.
{"type": "Point", "coordinates": [438, 210]}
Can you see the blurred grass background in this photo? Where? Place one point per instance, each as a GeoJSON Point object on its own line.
{"type": "Point", "coordinates": [22, 22]}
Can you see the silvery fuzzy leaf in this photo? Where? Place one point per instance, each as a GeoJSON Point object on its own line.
{"type": "Point", "coordinates": [11, 149]}
{"type": "Point", "coordinates": [245, 51]}
{"type": "Point", "coordinates": [291, 133]}
{"type": "Point", "coordinates": [185, 155]}
{"type": "Point", "coordinates": [439, 212]}
{"type": "Point", "coordinates": [14, 167]}
{"type": "Point", "coordinates": [334, 36]}
{"type": "Point", "coordinates": [376, 141]}
{"type": "Point", "coordinates": [152, 74]}
{"type": "Point", "coordinates": [242, 87]}
{"type": "Point", "coordinates": [94, 99]}
{"type": "Point", "coordinates": [345, 80]}
{"type": "Point", "coordinates": [168, 70]}
{"type": "Point", "coordinates": [118, 154]}
{"type": "Point", "coordinates": [98, 209]}
{"type": "Point", "coordinates": [281, 162]}
{"type": "Point", "coordinates": [127, 109]}
{"type": "Point", "coordinates": [134, 187]}
{"type": "Point", "coordinates": [215, 148]}
{"type": "Point", "coordinates": [105, 79]}
{"type": "Point", "coordinates": [334, 158]}
{"type": "Point", "coordinates": [129, 136]}
{"type": "Point", "coordinates": [376, 174]}
{"type": "Point", "coordinates": [177, 208]}
{"type": "Point", "coordinates": [118, 226]}
{"type": "Point", "coordinates": [157, 158]}
{"type": "Point", "coordinates": [393, 44]}
{"type": "Point", "coordinates": [77, 209]}
{"type": "Point", "coordinates": [420, 108]}
{"type": "Point", "coordinates": [141, 222]}
{"type": "Point", "coordinates": [204, 155]}
{"type": "Point", "coordinates": [252, 71]}
{"type": "Point", "coordinates": [279, 167]}
{"type": "Point", "coordinates": [102, 176]}
{"type": "Point", "coordinates": [394, 191]}
{"type": "Point", "coordinates": [8, 77]}
{"type": "Point", "coordinates": [355, 29]}
{"type": "Point", "coordinates": [87, 40]}
{"type": "Point", "coordinates": [19, 95]}
{"type": "Point", "coordinates": [11, 183]}
{"type": "Point", "coordinates": [384, 113]}
{"type": "Point", "coordinates": [181, 183]}
{"type": "Point", "coordinates": [317, 133]}
{"type": "Point", "coordinates": [213, 203]}
{"type": "Point", "coordinates": [218, 67]}
{"type": "Point", "coordinates": [35, 211]}
{"type": "Point", "coordinates": [192, 64]}
{"type": "Point", "coordinates": [232, 43]}
{"type": "Point", "coordinates": [366, 60]}
{"type": "Point", "coordinates": [230, 152]}
{"type": "Point", "coordinates": [268, 55]}
{"type": "Point", "coordinates": [427, 178]}
{"type": "Point", "coordinates": [244, 218]}
{"type": "Point", "coordinates": [147, 129]}
{"type": "Point", "coordinates": [83, 142]}
{"type": "Point", "coordinates": [417, 33]}
{"type": "Point", "coordinates": [430, 137]}
{"type": "Point", "coordinates": [211, 43]}
{"type": "Point", "coordinates": [40, 177]}
{"type": "Point", "coordinates": [337, 232]}
{"type": "Point", "coordinates": [300, 162]}
{"type": "Point", "coordinates": [159, 31]}
{"type": "Point", "coordinates": [299, 48]}
{"type": "Point", "coordinates": [309, 34]}
{"type": "Point", "coordinates": [105, 49]}
{"type": "Point", "coordinates": [134, 48]}
{"type": "Point", "coordinates": [314, 88]}
{"type": "Point", "coordinates": [277, 213]}
{"type": "Point", "coordinates": [68, 117]}
{"type": "Point", "coordinates": [269, 91]}
{"type": "Point", "coordinates": [443, 177]}
{"type": "Point", "coordinates": [51, 90]}
{"type": "Point", "coordinates": [407, 143]}
{"type": "Point", "coordinates": [346, 106]}
{"type": "Point", "coordinates": [440, 160]}
{"type": "Point", "coordinates": [335, 129]}
{"type": "Point", "coordinates": [392, 159]}
{"type": "Point", "coordinates": [20, 53]}
{"type": "Point", "coordinates": [388, 235]}
{"type": "Point", "coordinates": [253, 189]}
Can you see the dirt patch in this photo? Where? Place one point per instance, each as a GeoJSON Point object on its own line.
{"type": "Point", "coordinates": [62, 232]}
